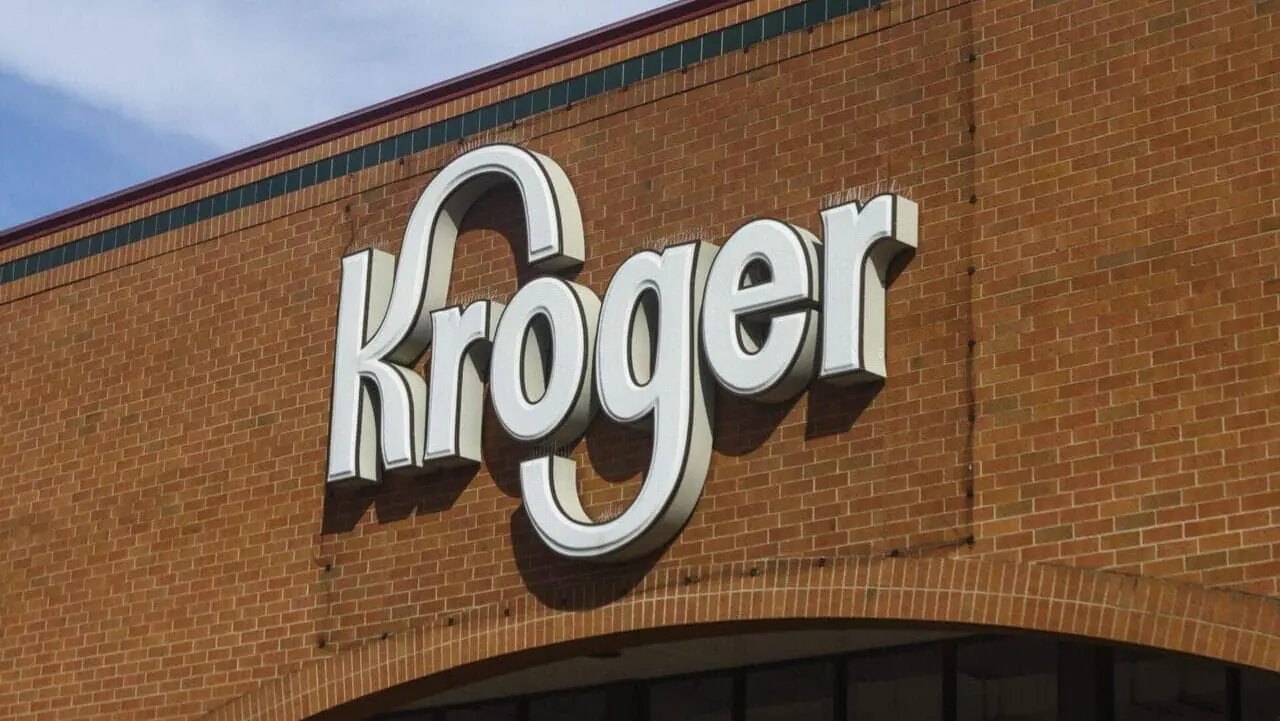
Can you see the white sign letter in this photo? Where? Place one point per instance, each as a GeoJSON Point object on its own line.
{"type": "Point", "coordinates": [540, 384]}
{"type": "Point", "coordinates": [459, 362]}
{"type": "Point", "coordinates": [665, 384]}
{"type": "Point", "coordinates": [760, 318]}
{"type": "Point", "coordinates": [860, 242]}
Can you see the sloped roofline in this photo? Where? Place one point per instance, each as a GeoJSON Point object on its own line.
{"type": "Point", "coordinates": [575, 47]}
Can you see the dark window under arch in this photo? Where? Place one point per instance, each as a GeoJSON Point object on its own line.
{"type": "Point", "coordinates": [980, 678]}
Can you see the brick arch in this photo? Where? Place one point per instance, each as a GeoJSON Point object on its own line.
{"type": "Point", "coordinates": [381, 674]}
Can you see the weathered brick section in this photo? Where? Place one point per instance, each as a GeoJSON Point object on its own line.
{"type": "Point", "coordinates": [1108, 171]}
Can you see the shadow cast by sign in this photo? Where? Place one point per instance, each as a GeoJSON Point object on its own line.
{"type": "Point", "coordinates": [754, 320]}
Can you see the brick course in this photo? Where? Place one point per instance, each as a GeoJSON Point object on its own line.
{"type": "Point", "coordinates": [1106, 169]}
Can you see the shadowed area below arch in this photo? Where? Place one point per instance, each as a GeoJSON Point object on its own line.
{"type": "Point", "coordinates": [382, 674]}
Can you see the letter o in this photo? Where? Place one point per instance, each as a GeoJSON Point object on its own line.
{"type": "Point", "coordinates": [541, 374]}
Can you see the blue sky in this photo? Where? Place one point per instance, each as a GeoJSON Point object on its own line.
{"type": "Point", "coordinates": [97, 96]}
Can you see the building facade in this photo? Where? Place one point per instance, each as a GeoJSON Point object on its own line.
{"type": "Point", "coordinates": [1055, 495]}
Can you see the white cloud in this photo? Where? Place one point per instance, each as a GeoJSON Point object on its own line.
{"type": "Point", "coordinates": [236, 72]}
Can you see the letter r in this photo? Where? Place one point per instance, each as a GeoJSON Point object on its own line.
{"type": "Point", "coordinates": [859, 243]}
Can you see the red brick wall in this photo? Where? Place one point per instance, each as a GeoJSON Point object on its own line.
{"type": "Point", "coordinates": [1128, 294]}
{"type": "Point", "coordinates": [1107, 171]}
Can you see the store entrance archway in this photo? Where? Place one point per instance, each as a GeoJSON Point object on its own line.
{"type": "Point", "coordinates": [865, 674]}
{"type": "Point", "coordinates": [387, 671]}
